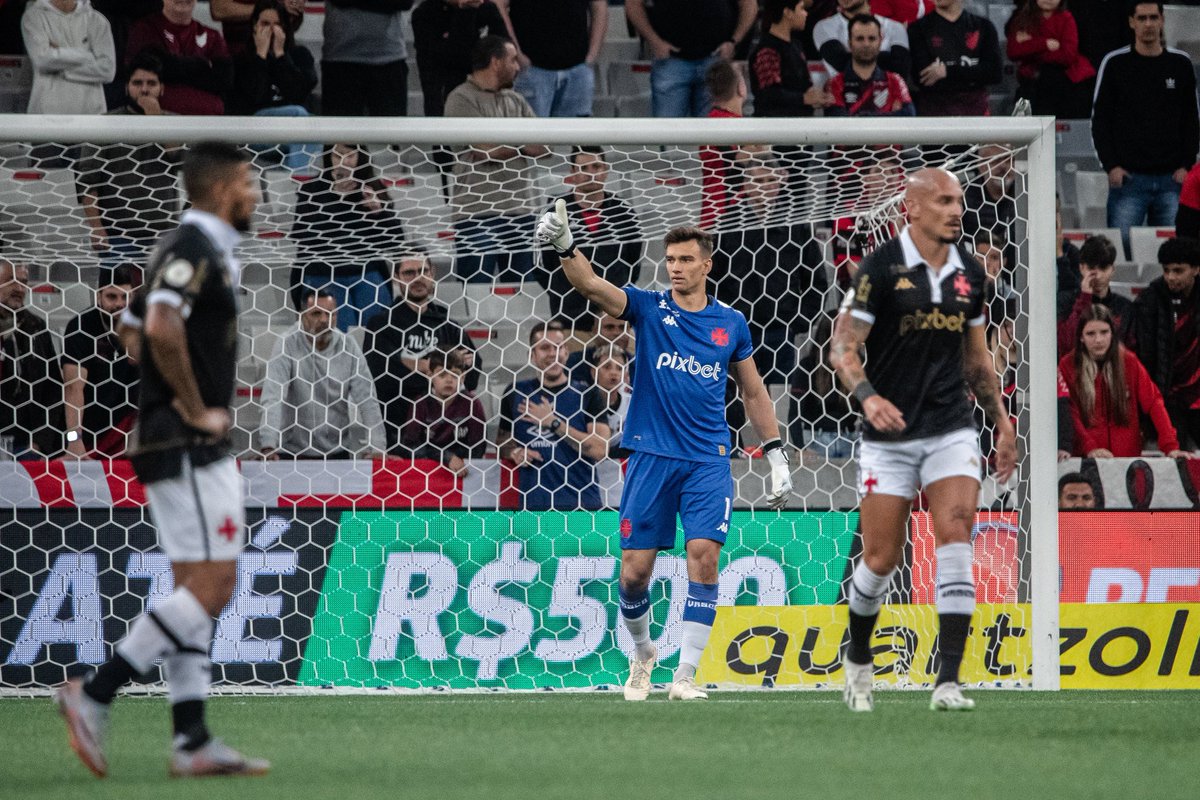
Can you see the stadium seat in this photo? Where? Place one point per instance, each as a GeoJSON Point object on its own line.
{"type": "Point", "coordinates": [637, 106]}
{"type": "Point", "coordinates": [604, 106]}
{"type": "Point", "coordinates": [628, 78]}
{"type": "Point", "coordinates": [505, 303]}
{"type": "Point", "coordinates": [1077, 236]}
{"type": "Point", "coordinates": [1145, 241]}
{"type": "Point", "coordinates": [16, 82]}
{"type": "Point", "coordinates": [1181, 29]}
{"type": "Point", "coordinates": [621, 50]}
{"type": "Point", "coordinates": [1091, 199]}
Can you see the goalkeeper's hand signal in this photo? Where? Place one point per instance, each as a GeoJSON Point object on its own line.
{"type": "Point", "coordinates": [554, 230]}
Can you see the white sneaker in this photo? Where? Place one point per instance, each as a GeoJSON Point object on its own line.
{"type": "Point", "coordinates": [638, 686]}
{"type": "Point", "coordinates": [686, 689]}
{"type": "Point", "coordinates": [87, 724]}
{"type": "Point", "coordinates": [949, 697]}
{"type": "Point", "coordinates": [215, 758]}
{"type": "Point", "coordinates": [860, 678]}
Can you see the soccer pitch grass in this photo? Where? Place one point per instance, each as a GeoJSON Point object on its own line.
{"type": "Point", "coordinates": [1017, 746]}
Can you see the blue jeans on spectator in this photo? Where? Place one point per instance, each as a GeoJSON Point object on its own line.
{"type": "Point", "coordinates": [359, 297]}
{"type": "Point", "coordinates": [1143, 199]}
{"type": "Point", "coordinates": [677, 87]}
{"type": "Point", "coordinates": [558, 92]}
{"type": "Point", "coordinates": [297, 156]}
{"type": "Point", "coordinates": [489, 248]}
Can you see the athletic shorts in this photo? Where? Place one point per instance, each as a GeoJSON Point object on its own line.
{"type": "Point", "coordinates": [658, 488]}
{"type": "Point", "coordinates": [901, 469]}
{"type": "Point", "coordinates": [200, 515]}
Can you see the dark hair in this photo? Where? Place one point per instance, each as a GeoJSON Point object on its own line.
{"type": "Point", "coordinates": [690, 233]}
{"type": "Point", "coordinates": [411, 252]}
{"type": "Point", "coordinates": [120, 275]}
{"type": "Point", "coordinates": [1027, 17]}
{"type": "Point", "coordinates": [441, 359]}
{"type": "Point", "coordinates": [285, 21]}
{"type": "Point", "coordinates": [1133, 4]}
{"type": "Point", "coordinates": [1180, 250]}
{"type": "Point", "coordinates": [145, 60]}
{"type": "Point", "coordinates": [994, 240]}
{"type": "Point", "coordinates": [1074, 477]}
{"type": "Point", "coordinates": [1098, 251]}
{"type": "Point", "coordinates": [542, 328]}
{"type": "Point", "coordinates": [598, 355]}
{"type": "Point", "coordinates": [862, 19]}
{"type": "Point", "coordinates": [721, 79]}
{"type": "Point", "coordinates": [487, 50]}
{"type": "Point", "coordinates": [206, 164]}
{"type": "Point", "coordinates": [364, 171]}
{"type": "Point", "coordinates": [1110, 367]}
{"type": "Point", "coordinates": [587, 149]}
{"type": "Point", "coordinates": [316, 295]}
{"type": "Point", "coordinates": [772, 10]}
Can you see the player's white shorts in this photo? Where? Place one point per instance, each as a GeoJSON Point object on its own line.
{"type": "Point", "coordinates": [200, 515]}
{"type": "Point", "coordinates": [900, 469]}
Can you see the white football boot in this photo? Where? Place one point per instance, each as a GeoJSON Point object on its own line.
{"type": "Point", "coordinates": [860, 679]}
{"type": "Point", "coordinates": [949, 697]}
{"type": "Point", "coordinates": [87, 724]}
{"type": "Point", "coordinates": [214, 757]}
{"type": "Point", "coordinates": [686, 689]}
{"type": "Point", "coordinates": [637, 687]}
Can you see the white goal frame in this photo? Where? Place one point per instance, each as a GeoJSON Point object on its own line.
{"type": "Point", "coordinates": [1038, 474]}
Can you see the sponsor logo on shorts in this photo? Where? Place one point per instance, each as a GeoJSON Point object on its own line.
{"type": "Point", "coordinates": [689, 365]}
{"type": "Point", "coordinates": [626, 527]}
{"type": "Point", "coordinates": [932, 321]}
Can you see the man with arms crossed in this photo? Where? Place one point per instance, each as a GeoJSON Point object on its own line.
{"type": "Point", "coordinates": [677, 431]}
{"type": "Point", "coordinates": [187, 316]}
{"type": "Point", "coordinates": [917, 306]}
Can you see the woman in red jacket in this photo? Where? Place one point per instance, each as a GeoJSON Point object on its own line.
{"type": "Point", "coordinates": [1051, 72]}
{"type": "Point", "coordinates": [1110, 390]}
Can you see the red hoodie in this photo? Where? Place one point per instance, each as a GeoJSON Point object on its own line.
{"type": "Point", "coordinates": [197, 69]}
{"type": "Point", "coordinates": [1124, 441]}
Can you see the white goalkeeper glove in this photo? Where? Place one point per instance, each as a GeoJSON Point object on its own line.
{"type": "Point", "coordinates": [554, 230]}
{"type": "Point", "coordinates": [781, 474]}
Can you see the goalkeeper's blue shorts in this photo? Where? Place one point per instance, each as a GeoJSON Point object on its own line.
{"type": "Point", "coordinates": [658, 488]}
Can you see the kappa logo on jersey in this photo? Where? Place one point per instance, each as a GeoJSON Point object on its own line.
{"type": "Point", "coordinates": [719, 336]}
{"type": "Point", "coordinates": [904, 283]}
{"type": "Point", "coordinates": [933, 321]}
{"type": "Point", "coordinates": [626, 527]}
{"type": "Point", "coordinates": [962, 285]}
{"type": "Point", "coordinates": [689, 365]}
{"type": "Point", "coordinates": [670, 321]}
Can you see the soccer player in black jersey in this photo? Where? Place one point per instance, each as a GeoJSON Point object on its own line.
{"type": "Point", "coordinates": [183, 324]}
{"type": "Point", "coordinates": [917, 307]}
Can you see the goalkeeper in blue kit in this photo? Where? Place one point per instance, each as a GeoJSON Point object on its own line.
{"type": "Point", "coordinates": [688, 345]}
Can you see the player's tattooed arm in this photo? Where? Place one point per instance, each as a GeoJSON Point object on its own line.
{"type": "Point", "coordinates": [980, 373]}
{"type": "Point", "coordinates": [845, 356]}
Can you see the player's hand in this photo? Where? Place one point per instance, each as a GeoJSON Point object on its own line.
{"type": "Point", "coordinates": [1006, 454]}
{"type": "Point", "coordinates": [883, 416]}
{"type": "Point", "coordinates": [214, 420]}
{"type": "Point", "coordinates": [553, 228]}
{"type": "Point", "coordinates": [781, 478]}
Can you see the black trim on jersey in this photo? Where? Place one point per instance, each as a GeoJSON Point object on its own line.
{"type": "Point", "coordinates": [191, 473]}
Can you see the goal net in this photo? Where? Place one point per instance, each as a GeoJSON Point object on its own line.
{"type": "Point", "coordinates": [399, 534]}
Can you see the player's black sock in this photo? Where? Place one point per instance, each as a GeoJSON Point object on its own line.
{"type": "Point", "coordinates": [861, 628]}
{"type": "Point", "coordinates": [103, 684]}
{"type": "Point", "coordinates": [188, 718]}
{"type": "Point", "coordinates": [952, 640]}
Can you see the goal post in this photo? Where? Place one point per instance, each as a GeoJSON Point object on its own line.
{"type": "Point", "coordinates": [836, 182]}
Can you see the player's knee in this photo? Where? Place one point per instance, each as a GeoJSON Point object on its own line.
{"type": "Point", "coordinates": [882, 561]}
{"type": "Point", "coordinates": [213, 586]}
{"type": "Point", "coordinates": [634, 584]}
{"type": "Point", "coordinates": [954, 525]}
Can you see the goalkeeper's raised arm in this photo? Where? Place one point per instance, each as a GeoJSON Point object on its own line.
{"type": "Point", "coordinates": [555, 230]}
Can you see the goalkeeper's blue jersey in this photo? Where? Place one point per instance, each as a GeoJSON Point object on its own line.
{"type": "Point", "coordinates": [678, 404]}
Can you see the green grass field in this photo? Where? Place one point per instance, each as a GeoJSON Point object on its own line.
{"type": "Point", "coordinates": [1018, 746]}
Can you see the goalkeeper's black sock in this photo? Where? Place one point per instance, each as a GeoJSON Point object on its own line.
{"type": "Point", "coordinates": [861, 628]}
{"type": "Point", "coordinates": [103, 684]}
{"type": "Point", "coordinates": [187, 718]}
{"type": "Point", "coordinates": [952, 640]}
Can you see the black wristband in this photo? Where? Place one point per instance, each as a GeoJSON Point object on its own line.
{"type": "Point", "coordinates": [864, 391]}
{"type": "Point", "coordinates": [774, 444]}
{"type": "Point", "coordinates": [570, 252]}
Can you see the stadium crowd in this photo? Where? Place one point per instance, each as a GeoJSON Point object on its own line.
{"type": "Point", "coordinates": [409, 388]}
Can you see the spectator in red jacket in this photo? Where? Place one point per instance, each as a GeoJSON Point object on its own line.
{"type": "Point", "coordinates": [905, 12]}
{"type": "Point", "coordinates": [197, 69]}
{"type": "Point", "coordinates": [1187, 218]}
{"type": "Point", "coordinates": [447, 424]}
{"type": "Point", "coordinates": [1051, 72]}
{"type": "Point", "coordinates": [1110, 390]}
{"type": "Point", "coordinates": [1096, 263]}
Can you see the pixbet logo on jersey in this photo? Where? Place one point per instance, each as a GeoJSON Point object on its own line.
{"type": "Point", "coordinates": [689, 365]}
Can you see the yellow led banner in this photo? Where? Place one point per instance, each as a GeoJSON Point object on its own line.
{"type": "Point", "coordinates": [1104, 646]}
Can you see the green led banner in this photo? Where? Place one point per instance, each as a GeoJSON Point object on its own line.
{"type": "Point", "coordinates": [524, 600]}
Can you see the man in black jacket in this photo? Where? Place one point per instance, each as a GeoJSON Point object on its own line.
{"type": "Point", "coordinates": [1145, 125]}
{"type": "Point", "coordinates": [955, 58]}
{"type": "Point", "coordinates": [31, 389]}
{"type": "Point", "coordinates": [609, 237]}
{"type": "Point", "coordinates": [398, 343]}
{"type": "Point", "coordinates": [1166, 335]}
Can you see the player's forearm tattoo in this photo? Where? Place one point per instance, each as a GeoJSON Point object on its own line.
{"type": "Point", "coordinates": [982, 380]}
{"type": "Point", "coordinates": [849, 333]}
